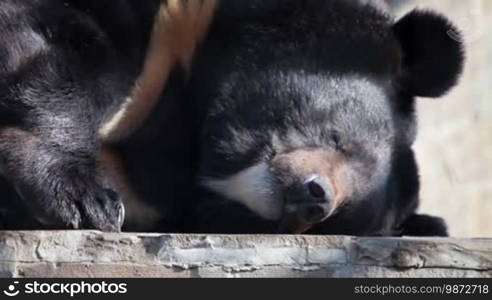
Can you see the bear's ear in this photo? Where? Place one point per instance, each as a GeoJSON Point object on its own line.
{"type": "Point", "coordinates": [433, 53]}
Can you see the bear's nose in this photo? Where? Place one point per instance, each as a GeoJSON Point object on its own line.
{"type": "Point", "coordinates": [317, 189]}
{"type": "Point", "coordinates": [310, 202]}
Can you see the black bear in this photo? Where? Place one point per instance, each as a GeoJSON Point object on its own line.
{"type": "Point", "coordinates": [297, 116]}
{"type": "Point", "coordinates": [293, 116]}
{"type": "Point", "coordinates": [75, 74]}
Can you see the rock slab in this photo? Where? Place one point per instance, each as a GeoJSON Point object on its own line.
{"type": "Point", "coordinates": [91, 254]}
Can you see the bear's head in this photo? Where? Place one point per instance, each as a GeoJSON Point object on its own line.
{"type": "Point", "coordinates": [312, 104]}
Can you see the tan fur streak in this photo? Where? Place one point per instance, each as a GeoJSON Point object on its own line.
{"type": "Point", "coordinates": [331, 166]}
{"type": "Point", "coordinates": [179, 27]}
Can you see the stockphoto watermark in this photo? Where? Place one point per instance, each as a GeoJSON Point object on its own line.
{"type": "Point", "coordinates": [471, 24]}
{"type": "Point", "coordinates": [71, 289]}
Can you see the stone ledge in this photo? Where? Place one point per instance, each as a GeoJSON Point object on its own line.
{"type": "Point", "coordinates": [96, 254]}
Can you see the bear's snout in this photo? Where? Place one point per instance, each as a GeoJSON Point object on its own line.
{"type": "Point", "coordinates": [305, 177]}
{"type": "Point", "coordinates": [312, 200]}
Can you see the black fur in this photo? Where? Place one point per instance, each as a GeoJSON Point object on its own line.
{"type": "Point", "coordinates": [293, 67]}
{"type": "Point", "coordinates": [65, 66]}
{"type": "Point", "coordinates": [428, 71]}
{"type": "Point", "coordinates": [336, 75]}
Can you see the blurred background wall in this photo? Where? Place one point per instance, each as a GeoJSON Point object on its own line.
{"type": "Point", "coordinates": [454, 147]}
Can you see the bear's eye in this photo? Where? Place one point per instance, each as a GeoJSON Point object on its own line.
{"type": "Point", "coordinates": [341, 144]}
{"type": "Point", "coordinates": [337, 142]}
{"type": "Point", "coordinates": [271, 154]}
